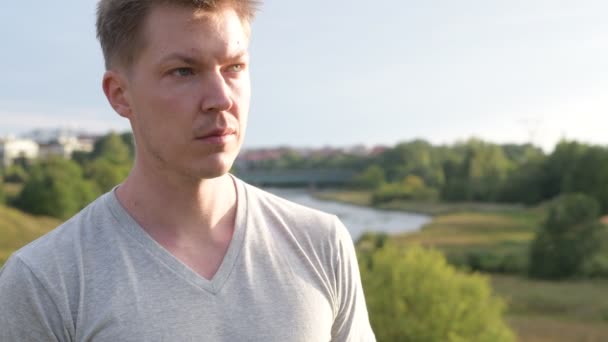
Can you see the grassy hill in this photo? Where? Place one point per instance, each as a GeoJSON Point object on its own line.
{"type": "Point", "coordinates": [18, 228]}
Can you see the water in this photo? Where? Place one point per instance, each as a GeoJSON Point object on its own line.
{"type": "Point", "coordinates": [359, 219]}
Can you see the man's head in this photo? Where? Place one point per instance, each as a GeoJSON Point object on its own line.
{"type": "Point", "coordinates": [120, 22]}
{"type": "Point", "coordinates": [179, 71]}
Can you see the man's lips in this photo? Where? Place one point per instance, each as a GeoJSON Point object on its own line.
{"type": "Point", "coordinates": [217, 136]}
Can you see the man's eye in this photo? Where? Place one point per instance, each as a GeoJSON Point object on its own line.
{"type": "Point", "coordinates": [236, 67]}
{"type": "Point", "coordinates": [183, 72]}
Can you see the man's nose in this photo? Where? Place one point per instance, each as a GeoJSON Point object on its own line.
{"type": "Point", "coordinates": [217, 94]}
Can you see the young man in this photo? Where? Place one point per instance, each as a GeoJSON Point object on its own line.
{"type": "Point", "coordinates": [182, 250]}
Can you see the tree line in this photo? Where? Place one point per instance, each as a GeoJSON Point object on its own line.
{"type": "Point", "coordinates": [61, 187]}
{"type": "Point", "coordinates": [472, 170]}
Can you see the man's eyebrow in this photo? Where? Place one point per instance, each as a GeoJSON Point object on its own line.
{"type": "Point", "coordinates": [188, 59]}
{"type": "Point", "coordinates": [180, 57]}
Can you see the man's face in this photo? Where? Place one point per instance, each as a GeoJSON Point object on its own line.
{"type": "Point", "coordinates": [189, 91]}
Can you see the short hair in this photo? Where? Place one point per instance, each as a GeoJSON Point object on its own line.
{"type": "Point", "coordinates": [120, 22]}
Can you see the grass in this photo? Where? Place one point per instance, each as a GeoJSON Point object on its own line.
{"type": "Point", "coordinates": [364, 198]}
{"type": "Point", "coordinates": [575, 310]}
{"type": "Point", "coordinates": [579, 300]}
{"type": "Point", "coordinates": [544, 329]}
{"type": "Point", "coordinates": [18, 228]}
{"type": "Point", "coordinates": [12, 189]}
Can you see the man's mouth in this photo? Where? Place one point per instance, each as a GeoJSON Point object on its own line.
{"type": "Point", "coordinates": [217, 136]}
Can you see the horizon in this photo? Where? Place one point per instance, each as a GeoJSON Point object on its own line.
{"type": "Point", "coordinates": [245, 147]}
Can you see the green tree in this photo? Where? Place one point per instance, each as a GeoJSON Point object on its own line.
{"type": "Point", "coordinates": [524, 185]}
{"type": "Point", "coordinates": [370, 178]}
{"type": "Point", "coordinates": [113, 148]}
{"type": "Point", "coordinates": [15, 173]}
{"type": "Point", "coordinates": [414, 295]}
{"type": "Point", "coordinates": [129, 140]}
{"type": "Point", "coordinates": [568, 239]}
{"type": "Point", "coordinates": [559, 165]}
{"type": "Point", "coordinates": [56, 187]}
{"type": "Point", "coordinates": [417, 157]}
{"type": "Point", "coordinates": [105, 174]}
{"type": "Point", "coordinates": [2, 194]}
{"type": "Point", "coordinates": [589, 175]}
{"type": "Point", "coordinates": [478, 175]}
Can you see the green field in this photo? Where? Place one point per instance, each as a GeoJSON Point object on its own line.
{"type": "Point", "coordinates": [17, 229]}
{"type": "Point", "coordinates": [538, 311]}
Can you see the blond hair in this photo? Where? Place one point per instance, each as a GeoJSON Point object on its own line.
{"type": "Point", "coordinates": [119, 23]}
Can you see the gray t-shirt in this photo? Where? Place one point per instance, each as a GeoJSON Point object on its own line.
{"type": "Point", "coordinates": [290, 274]}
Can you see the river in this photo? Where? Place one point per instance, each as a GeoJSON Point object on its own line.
{"type": "Point", "coordinates": [358, 219]}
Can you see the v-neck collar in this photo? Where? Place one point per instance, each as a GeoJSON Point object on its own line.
{"type": "Point", "coordinates": [213, 285]}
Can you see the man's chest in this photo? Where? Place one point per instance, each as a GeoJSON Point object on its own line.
{"type": "Point", "coordinates": [251, 308]}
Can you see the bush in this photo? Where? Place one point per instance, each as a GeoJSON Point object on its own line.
{"type": "Point", "coordinates": [55, 188]}
{"type": "Point", "coordinates": [569, 238]}
{"type": "Point", "coordinates": [2, 195]}
{"type": "Point", "coordinates": [414, 295]}
{"type": "Point", "coordinates": [370, 178]}
{"type": "Point", "coordinates": [597, 265]}
{"type": "Point", "coordinates": [15, 174]}
{"type": "Point", "coordinates": [105, 174]}
{"type": "Point", "coordinates": [411, 188]}
{"type": "Point", "coordinates": [491, 262]}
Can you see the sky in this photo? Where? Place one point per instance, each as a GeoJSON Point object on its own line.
{"type": "Point", "coordinates": [350, 72]}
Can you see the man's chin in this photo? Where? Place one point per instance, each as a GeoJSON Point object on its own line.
{"type": "Point", "coordinates": [219, 169]}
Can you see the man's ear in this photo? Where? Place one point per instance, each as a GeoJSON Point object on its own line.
{"type": "Point", "coordinates": [115, 87]}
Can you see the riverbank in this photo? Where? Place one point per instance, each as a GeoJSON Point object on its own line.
{"type": "Point", "coordinates": [494, 239]}
{"type": "Point", "coordinates": [364, 198]}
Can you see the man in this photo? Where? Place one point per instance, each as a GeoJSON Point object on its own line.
{"type": "Point", "coordinates": [182, 250]}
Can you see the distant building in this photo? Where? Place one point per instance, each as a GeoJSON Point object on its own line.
{"type": "Point", "coordinates": [64, 146]}
{"type": "Point", "coordinates": [61, 142]}
{"type": "Point", "coordinates": [12, 149]}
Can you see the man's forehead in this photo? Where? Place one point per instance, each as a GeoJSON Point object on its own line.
{"type": "Point", "coordinates": [182, 32]}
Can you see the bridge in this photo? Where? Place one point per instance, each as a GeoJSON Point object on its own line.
{"type": "Point", "coordinates": [311, 178]}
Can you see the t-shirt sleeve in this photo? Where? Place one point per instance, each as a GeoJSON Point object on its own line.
{"type": "Point", "coordinates": [352, 322]}
{"type": "Point", "coordinates": [27, 311]}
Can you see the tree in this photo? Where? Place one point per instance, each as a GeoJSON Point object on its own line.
{"type": "Point", "coordinates": [370, 178]}
{"type": "Point", "coordinates": [414, 295]}
{"type": "Point", "coordinates": [480, 175]}
{"type": "Point", "coordinates": [56, 188]}
{"type": "Point", "coordinates": [589, 175]}
{"type": "Point", "coordinates": [105, 174]}
{"type": "Point", "coordinates": [524, 185]}
{"type": "Point", "coordinates": [2, 195]}
{"type": "Point", "coordinates": [113, 148]}
{"type": "Point", "coordinates": [559, 165]}
{"type": "Point", "coordinates": [417, 157]}
{"type": "Point", "coordinates": [15, 173]}
{"type": "Point", "coordinates": [568, 239]}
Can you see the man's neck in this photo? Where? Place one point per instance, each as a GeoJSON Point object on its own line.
{"type": "Point", "coordinates": [173, 210]}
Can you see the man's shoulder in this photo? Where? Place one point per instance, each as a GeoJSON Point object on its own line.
{"type": "Point", "coordinates": [302, 221]}
{"type": "Point", "coordinates": [63, 242]}
{"type": "Point", "coordinates": [282, 206]}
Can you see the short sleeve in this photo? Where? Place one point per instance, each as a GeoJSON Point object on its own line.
{"type": "Point", "coordinates": [27, 311]}
{"type": "Point", "coordinates": [352, 321]}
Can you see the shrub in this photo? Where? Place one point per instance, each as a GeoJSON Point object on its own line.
{"type": "Point", "coordinates": [568, 239]}
{"type": "Point", "coordinates": [55, 188]}
{"type": "Point", "coordinates": [411, 188]}
{"type": "Point", "coordinates": [2, 195]}
{"type": "Point", "coordinates": [414, 295]}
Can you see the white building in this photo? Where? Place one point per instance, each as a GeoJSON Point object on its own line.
{"type": "Point", "coordinates": [12, 148]}
{"type": "Point", "coordinates": [64, 146]}
{"type": "Point", "coordinates": [60, 142]}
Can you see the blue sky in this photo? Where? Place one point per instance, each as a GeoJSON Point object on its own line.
{"type": "Point", "coordinates": [347, 72]}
